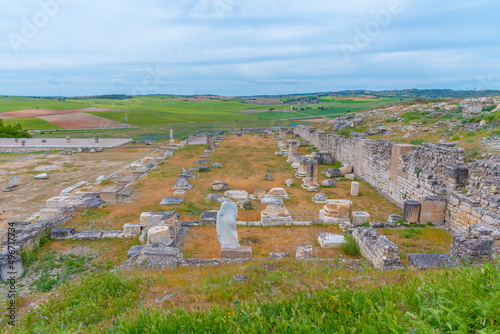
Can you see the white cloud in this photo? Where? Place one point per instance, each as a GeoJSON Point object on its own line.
{"type": "Point", "coordinates": [119, 82]}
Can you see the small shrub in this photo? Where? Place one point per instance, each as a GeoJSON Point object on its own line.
{"type": "Point", "coordinates": [490, 108]}
{"type": "Point", "coordinates": [391, 120]}
{"type": "Point", "coordinates": [417, 142]}
{"type": "Point", "coordinates": [105, 182]}
{"type": "Point", "coordinates": [455, 137]}
{"type": "Point", "coordinates": [350, 245]}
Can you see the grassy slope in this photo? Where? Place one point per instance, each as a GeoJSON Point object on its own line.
{"type": "Point", "coordinates": [465, 300]}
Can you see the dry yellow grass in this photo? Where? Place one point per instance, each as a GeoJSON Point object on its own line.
{"type": "Point", "coordinates": [201, 241]}
{"type": "Point", "coordinates": [245, 160]}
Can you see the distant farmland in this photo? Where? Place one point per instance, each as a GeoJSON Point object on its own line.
{"type": "Point", "coordinates": [145, 111]}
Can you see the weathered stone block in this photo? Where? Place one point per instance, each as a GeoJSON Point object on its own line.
{"type": "Point", "coordinates": [380, 252]}
{"type": "Point", "coordinates": [131, 230]}
{"type": "Point", "coordinates": [110, 195]}
{"type": "Point", "coordinates": [433, 210]}
{"type": "Point", "coordinates": [116, 234]}
{"type": "Point", "coordinates": [236, 194]}
{"type": "Point", "coordinates": [328, 183]}
{"type": "Point", "coordinates": [62, 232]}
{"type": "Point", "coordinates": [330, 240]}
{"type": "Point", "coordinates": [160, 236]}
{"type": "Point", "coordinates": [345, 170]}
{"type": "Point", "coordinates": [278, 192]}
{"type": "Point", "coordinates": [126, 180]}
{"type": "Point", "coordinates": [472, 250]}
{"type": "Point", "coordinates": [242, 252]}
{"type": "Point", "coordinates": [360, 218]}
{"type": "Point", "coordinates": [259, 193]}
{"type": "Point", "coordinates": [350, 176]}
{"type": "Point", "coordinates": [278, 256]}
{"type": "Point", "coordinates": [333, 172]}
{"type": "Point", "coordinates": [304, 253]}
{"type": "Point", "coordinates": [393, 219]}
{"type": "Point", "coordinates": [275, 214]}
{"type": "Point", "coordinates": [87, 235]}
{"type": "Point", "coordinates": [171, 200]}
{"type": "Point", "coordinates": [208, 217]}
{"type": "Point", "coordinates": [429, 261]}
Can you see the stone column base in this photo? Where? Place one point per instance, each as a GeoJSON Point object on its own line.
{"type": "Point", "coordinates": [243, 252]}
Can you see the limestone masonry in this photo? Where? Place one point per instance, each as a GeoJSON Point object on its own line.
{"type": "Point", "coordinates": [431, 174]}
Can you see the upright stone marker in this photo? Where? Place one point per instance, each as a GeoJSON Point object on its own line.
{"type": "Point", "coordinates": [354, 188]}
{"type": "Point", "coordinates": [96, 139]}
{"type": "Point", "coordinates": [172, 136]}
{"type": "Point", "coordinates": [68, 139]}
{"type": "Point", "coordinates": [210, 143]}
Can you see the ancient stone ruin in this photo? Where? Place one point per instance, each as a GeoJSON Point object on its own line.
{"type": "Point", "coordinates": [227, 234]}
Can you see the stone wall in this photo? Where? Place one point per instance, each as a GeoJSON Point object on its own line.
{"type": "Point", "coordinates": [377, 249]}
{"type": "Point", "coordinates": [401, 172]}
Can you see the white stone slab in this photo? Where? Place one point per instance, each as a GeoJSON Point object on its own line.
{"type": "Point", "coordinates": [330, 240]}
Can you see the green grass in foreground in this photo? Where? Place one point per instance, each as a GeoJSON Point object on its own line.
{"type": "Point", "coordinates": [465, 300]}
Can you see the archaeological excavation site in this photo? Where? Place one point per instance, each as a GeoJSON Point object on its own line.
{"type": "Point", "coordinates": [227, 217]}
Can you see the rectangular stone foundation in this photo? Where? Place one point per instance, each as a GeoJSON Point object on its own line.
{"type": "Point", "coordinates": [243, 252]}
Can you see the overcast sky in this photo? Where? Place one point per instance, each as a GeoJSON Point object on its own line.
{"type": "Point", "coordinates": [246, 47]}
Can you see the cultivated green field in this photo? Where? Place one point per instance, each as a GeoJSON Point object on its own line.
{"type": "Point", "coordinates": [31, 123]}
{"type": "Point", "coordinates": [13, 103]}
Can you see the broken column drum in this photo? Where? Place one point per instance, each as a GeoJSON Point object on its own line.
{"type": "Point", "coordinates": [311, 179]}
{"type": "Point", "coordinates": [411, 211]}
{"type": "Point", "coordinates": [210, 142]}
{"type": "Point", "coordinates": [292, 148]}
{"type": "Point", "coordinates": [301, 172]}
{"type": "Point", "coordinates": [296, 160]}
